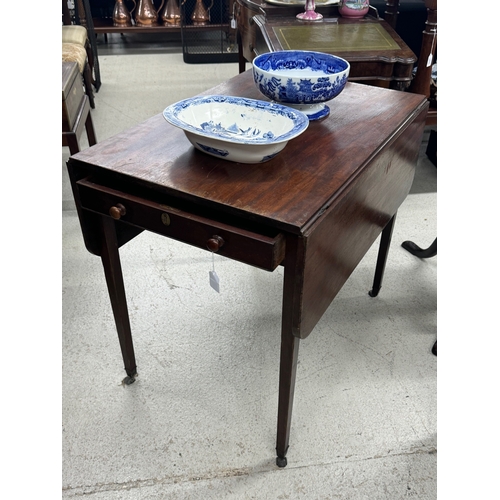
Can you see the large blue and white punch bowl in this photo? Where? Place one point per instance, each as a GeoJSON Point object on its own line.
{"type": "Point", "coordinates": [301, 79]}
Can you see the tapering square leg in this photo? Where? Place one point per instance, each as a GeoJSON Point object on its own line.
{"type": "Point", "coordinates": [383, 252]}
{"type": "Point", "coordinates": [114, 279]}
{"type": "Point", "coordinates": [288, 371]}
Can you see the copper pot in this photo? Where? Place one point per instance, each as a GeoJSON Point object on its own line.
{"type": "Point", "coordinates": [201, 15]}
{"type": "Point", "coordinates": [121, 15]}
{"type": "Point", "coordinates": [171, 13]}
{"type": "Point", "coordinates": [146, 14]}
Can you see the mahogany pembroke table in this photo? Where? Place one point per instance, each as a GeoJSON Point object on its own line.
{"type": "Point", "coordinates": [316, 208]}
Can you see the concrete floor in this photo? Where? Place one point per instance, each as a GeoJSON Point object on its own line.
{"type": "Point", "coordinates": [199, 423]}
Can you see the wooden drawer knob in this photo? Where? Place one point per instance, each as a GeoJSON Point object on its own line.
{"type": "Point", "coordinates": [117, 211]}
{"type": "Point", "coordinates": [214, 243]}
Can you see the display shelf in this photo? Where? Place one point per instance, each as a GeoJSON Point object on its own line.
{"type": "Point", "coordinates": [214, 41]}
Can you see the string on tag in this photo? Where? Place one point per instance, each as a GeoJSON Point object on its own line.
{"type": "Point", "coordinates": [429, 59]}
{"type": "Point", "coordinates": [233, 18]}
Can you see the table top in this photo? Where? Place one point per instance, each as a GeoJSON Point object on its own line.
{"type": "Point", "coordinates": [353, 39]}
{"type": "Point", "coordinates": [288, 192]}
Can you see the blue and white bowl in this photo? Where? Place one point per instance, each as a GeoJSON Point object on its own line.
{"type": "Point", "coordinates": [302, 79]}
{"type": "Point", "coordinates": [236, 128]}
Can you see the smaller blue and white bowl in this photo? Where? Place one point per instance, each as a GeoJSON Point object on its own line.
{"type": "Point", "coordinates": [302, 79]}
{"type": "Point", "coordinates": [236, 128]}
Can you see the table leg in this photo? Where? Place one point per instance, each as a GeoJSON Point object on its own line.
{"type": "Point", "coordinates": [383, 251]}
{"type": "Point", "coordinates": [114, 279]}
{"type": "Point", "coordinates": [289, 346]}
{"type": "Point", "coordinates": [288, 371]}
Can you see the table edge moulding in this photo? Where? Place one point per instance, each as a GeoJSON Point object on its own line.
{"type": "Point", "coordinates": [340, 185]}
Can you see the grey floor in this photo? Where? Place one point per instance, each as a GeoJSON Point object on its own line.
{"type": "Point", "coordinates": [199, 423]}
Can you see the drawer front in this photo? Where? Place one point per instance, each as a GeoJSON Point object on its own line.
{"type": "Point", "coordinates": [262, 251]}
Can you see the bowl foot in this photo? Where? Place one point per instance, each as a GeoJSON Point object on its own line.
{"type": "Point", "coordinates": [312, 111]}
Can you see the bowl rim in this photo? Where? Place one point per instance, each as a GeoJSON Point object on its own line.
{"type": "Point", "coordinates": [278, 52]}
{"type": "Point", "coordinates": [299, 119]}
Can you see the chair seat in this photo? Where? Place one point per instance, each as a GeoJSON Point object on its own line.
{"type": "Point", "coordinates": [73, 52]}
{"type": "Point", "coordinates": [74, 34]}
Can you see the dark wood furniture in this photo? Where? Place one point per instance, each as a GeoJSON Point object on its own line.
{"type": "Point", "coordinates": [422, 83]}
{"type": "Point", "coordinates": [422, 253]}
{"type": "Point", "coordinates": [422, 14]}
{"type": "Point", "coordinates": [326, 198]}
{"type": "Point", "coordinates": [81, 15]}
{"type": "Point", "coordinates": [75, 109]}
{"type": "Point", "coordinates": [377, 54]}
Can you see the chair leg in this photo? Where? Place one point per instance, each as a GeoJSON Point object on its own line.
{"type": "Point", "coordinates": [89, 127]}
{"type": "Point", "coordinates": [87, 80]}
{"type": "Point", "coordinates": [71, 140]}
{"type": "Point", "coordinates": [90, 59]}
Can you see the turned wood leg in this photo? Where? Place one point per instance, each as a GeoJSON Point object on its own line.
{"type": "Point", "coordinates": [114, 279]}
{"type": "Point", "coordinates": [383, 252]}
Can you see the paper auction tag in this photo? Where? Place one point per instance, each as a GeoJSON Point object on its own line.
{"type": "Point", "coordinates": [214, 281]}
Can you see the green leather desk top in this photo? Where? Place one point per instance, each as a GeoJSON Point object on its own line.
{"type": "Point", "coordinates": [335, 37]}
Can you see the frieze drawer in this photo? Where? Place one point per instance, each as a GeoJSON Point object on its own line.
{"type": "Point", "coordinates": [260, 250]}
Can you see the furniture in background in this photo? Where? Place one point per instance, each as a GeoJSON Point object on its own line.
{"type": "Point", "coordinates": [407, 17]}
{"type": "Point", "coordinates": [376, 53]}
{"type": "Point", "coordinates": [211, 39]}
{"type": "Point", "coordinates": [75, 49]}
{"type": "Point", "coordinates": [416, 22]}
{"type": "Point", "coordinates": [207, 31]}
{"type": "Point", "coordinates": [75, 109]}
{"type": "Point", "coordinates": [423, 83]}
{"type": "Point", "coordinates": [80, 15]}
{"type": "Point", "coordinates": [422, 253]}
{"type": "Point", "coordinates": [323, 205]}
